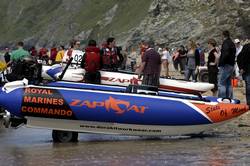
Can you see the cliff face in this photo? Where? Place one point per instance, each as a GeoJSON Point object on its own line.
{"type": "Point", "coordinates": [170, 22]}
{"type": "Point", "coordinates": [173, 22]}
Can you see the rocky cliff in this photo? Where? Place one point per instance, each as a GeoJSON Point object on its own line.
{"type": "Point", "coordinates": [170, 22]}
{"type": "Point", "coordinates": [173, 22]}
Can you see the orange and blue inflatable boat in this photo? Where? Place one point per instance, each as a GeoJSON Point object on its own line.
{"type": "Point", "coordinates": [69, 107]}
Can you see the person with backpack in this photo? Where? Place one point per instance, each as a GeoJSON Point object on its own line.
{"type": "Point", "coordinates": [19, 53]}
{"type": "Point", "coordinates": [91, 62]}
{"type": "Point", "coordinates": [17, 63]}
{"type": "Point", "coordinates": [111, 56]}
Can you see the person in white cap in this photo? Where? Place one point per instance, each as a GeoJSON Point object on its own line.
{"type": "Point", "coordinates": [238, 47]}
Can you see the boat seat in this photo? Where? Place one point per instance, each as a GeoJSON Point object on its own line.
{"type": "Point", "coordinates": [142, 89]}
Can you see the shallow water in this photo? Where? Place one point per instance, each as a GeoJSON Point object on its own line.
{"type": "Point", "coordinates": [26, 146]}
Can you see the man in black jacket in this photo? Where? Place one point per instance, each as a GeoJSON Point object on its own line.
{"type": "Point", "coordinates": [226, 66]}
{"type": "Point", "coordinates": [243, 62]}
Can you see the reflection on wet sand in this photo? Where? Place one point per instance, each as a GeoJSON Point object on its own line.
{"type": "Point", "coordinates": [27, 146]}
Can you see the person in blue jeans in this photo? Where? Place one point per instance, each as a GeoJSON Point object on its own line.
{"type": "Point", "coordinates": [225, 89]}
{"type": "Point", "coordinates": [247, 81]}
{"type": "Point", "coordinates": [226, 66]}
{"type": "Point", "coordinates": [243, 62]}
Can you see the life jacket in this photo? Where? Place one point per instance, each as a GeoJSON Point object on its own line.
{"type": "Point", "coordinates": [43, 52]}
{"type": "Point", "coordinates": [142, 50]}
{"type": "Point", "coordinates": [53, 53]}
{"type": "Point", "coordinates": [59, 56]}
{"type": "Point", "coordinates": [69, 52]}
{"type": "Point", "coordinates": [92, 59]}
{"type": "Point", "coordinates": [109, 57]}
{"type": "Point", "coordinates": [77, 56]}
{"type": "Point", "coordinates": [33, 52]}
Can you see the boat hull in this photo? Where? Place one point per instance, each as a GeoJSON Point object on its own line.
{"type": "Point", "coordinates": [71, 74]}
{"type": "Point", "coordinates": [100, 110]}
{"type": "Point", "coordinates": [124, 79]}
{"type": "Point", "coordinates": [117, 128]}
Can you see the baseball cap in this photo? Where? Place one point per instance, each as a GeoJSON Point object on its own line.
{"type": "Point", "coordinates": [236, 41]}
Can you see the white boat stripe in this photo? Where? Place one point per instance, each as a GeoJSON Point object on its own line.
{"type": "Point", "coordinates": [76, 83]}
{"type": "Point", "coordinates": [115, 93]}
{"type": "Point", "coordinates": [198, 110]}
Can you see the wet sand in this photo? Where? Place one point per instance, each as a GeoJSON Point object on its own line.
{"type": "Point", "coordinates": [228, 145]}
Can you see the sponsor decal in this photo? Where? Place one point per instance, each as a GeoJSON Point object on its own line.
{"type": "Point", "coordinates": [116, 105]}
{"type": "Point", "coordinates": [38, 91]}
{"type": "Point", "coordinates": [99, 127]}
{"type": "Point", "coordinates": [132, 80]}
{"type": "Point", "coordinates": [47, 111]}
{"type": "Point", "coordinates": [42, 102]}
{"type": "Point", "coordinates": [211, 109]}
{"type": "Point", "coordinates": [222, 111]}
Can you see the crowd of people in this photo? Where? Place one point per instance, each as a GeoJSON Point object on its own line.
{"type": "Point", "coordinates": [223, 62]}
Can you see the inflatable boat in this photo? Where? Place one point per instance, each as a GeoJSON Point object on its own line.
{"type": "Point", "coordinates": [69, 107]}
{"type": "Point", "coordinates": [123, 78]}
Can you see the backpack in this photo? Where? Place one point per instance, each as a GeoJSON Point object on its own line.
{"type": "Point", "coordinates": [26, 68]}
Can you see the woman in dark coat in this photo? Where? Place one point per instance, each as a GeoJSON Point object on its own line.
{"type": "Point", "coordinates": [212, 65]}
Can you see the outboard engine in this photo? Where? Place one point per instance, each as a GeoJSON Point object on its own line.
{"type": "Point", "coordinates": [27, 68]}
{"type": "Point", "coordinates": [13, 121]}
{"type": "Point", "coordinates": [228, 100]}
{"type": "Point", "coordinates": [142, 89]}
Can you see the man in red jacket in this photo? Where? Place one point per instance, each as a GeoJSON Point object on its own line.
{"type": "Point", "coordinates": [91, 62]}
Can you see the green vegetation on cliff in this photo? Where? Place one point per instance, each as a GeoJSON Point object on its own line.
{"type": "Point", "coordinates": [170, 22]}
{"type": "Point", "coordinates": [51, 20]}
